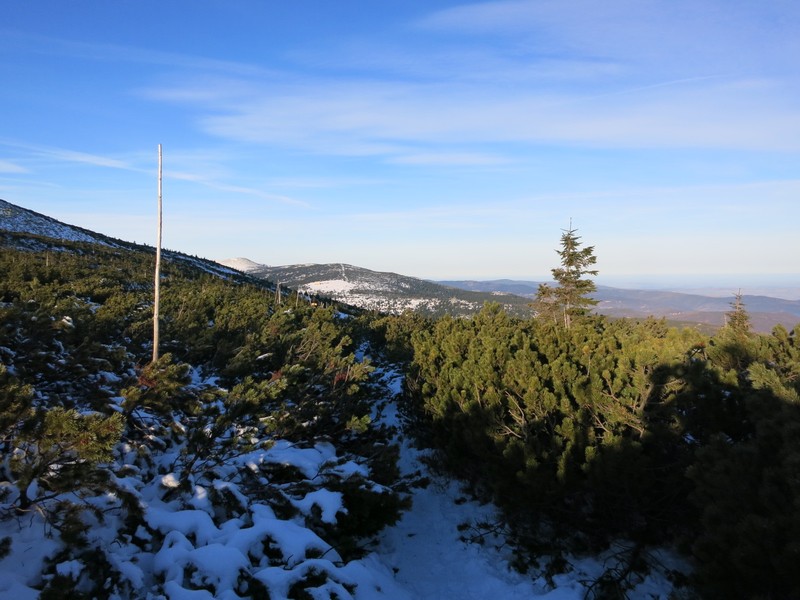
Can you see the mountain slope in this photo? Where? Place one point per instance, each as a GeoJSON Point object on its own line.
{"type": "Point", "coordinates": [240, 264]}
{"type": "Point", "coordinates": [230, 468]}
{"type": "Point", "coordinates": [384, 292]}
{"type": "Point", "coordinates": [393, 293]}
{"type": "Point", "coordinates": [21, 220]}
{"type": "Point", "coordinates": [22, 228]}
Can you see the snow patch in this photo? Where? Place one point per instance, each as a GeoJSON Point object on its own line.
{"type": "Point", "coordinates": [244, 265]}
{"type": "Point", "coordinates": [330, 286]}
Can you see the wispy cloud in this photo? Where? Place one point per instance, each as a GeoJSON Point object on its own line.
{"type": "Point", "coordinates": [688, 35]}
{"type": "Point", "coordinates": [86, 158]}
{"type": "Point", "coordinates": [444, 159]}
{"type": "Point", "coordinates": [6, 166]}
{"type": "Point", "coordinates": [396, 119]}
{"type": "Point", "coordinates": [67, 155]}
{"type": "Point", "coordinates": [417, 131]}
{"type": "Point", "coordinates": [121, 53]}
{"type": "Point", "coordinates": [236, 189]}
{"type": "Point", "coordinates": [207, 171]}
{"type": "Point", "coordinates": [618, 74]}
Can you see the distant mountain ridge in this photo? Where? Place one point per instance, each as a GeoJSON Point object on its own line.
{"type": "Point", "coordinates": [382, 291]}
{"type": "Point", "coordinates": [765, 311]}
{"type": "Point", "coordinates": [612, 297]}
{"type": "Point", "coordinates": [393, 293]}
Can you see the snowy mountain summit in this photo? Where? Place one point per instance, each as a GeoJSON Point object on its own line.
{"type": "Point", "coordinates": [245, 265]}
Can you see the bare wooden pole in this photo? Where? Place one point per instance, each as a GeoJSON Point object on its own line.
{"type": "Point", "coordinates": [157, 286]}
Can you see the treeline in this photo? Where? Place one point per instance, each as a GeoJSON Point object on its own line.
{"type": "Point", "coordinates": [90, 428]}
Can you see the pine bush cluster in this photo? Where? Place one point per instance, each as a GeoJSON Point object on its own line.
{"type": "Point", "coordinates": [621, 430]}
{"type": "Point", "coordinates": [94, 433]}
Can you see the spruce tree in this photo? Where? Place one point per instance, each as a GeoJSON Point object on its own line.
{"type": "Point", "coordinates": [738, 320]}
{"type": "Point", "coordinates": [570, 298]}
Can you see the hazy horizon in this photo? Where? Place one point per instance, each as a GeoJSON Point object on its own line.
{"type": "Point", "coordinates": [786, 286]}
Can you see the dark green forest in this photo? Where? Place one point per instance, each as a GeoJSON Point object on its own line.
{"type": "Point", "coordinates": [584, 430]}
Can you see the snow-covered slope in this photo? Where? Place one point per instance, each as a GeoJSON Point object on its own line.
{"type": "Point", "coordinates": [18, 220]}
{"type": "Point", "coordinates": [21, 220]}
{"type": "Point", "coordinates": [245, 265]}
{"type": "Point", "coordinates": [384, 291]}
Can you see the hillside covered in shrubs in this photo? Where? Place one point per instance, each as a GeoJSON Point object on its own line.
{"type": "Point", "coordinates": [587, 430]}
{"type": "Point", "coordinates": [243, 463]}
{"type": "Point", "coordinates": [248, 460]}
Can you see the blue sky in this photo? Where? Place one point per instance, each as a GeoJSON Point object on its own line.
{"type": "Point", "coordinates": [436, 139]}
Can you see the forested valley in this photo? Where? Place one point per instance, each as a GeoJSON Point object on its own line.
{"type": "Point", "coordinates": [585, 431]}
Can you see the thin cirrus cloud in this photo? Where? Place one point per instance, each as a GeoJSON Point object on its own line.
{"type": "Point", "coordinates": [218, 182]}
{"type": "Point", "coordinates": [239, 189]}
{"type": "Point", "coordinates": [364, 117]}
{"type": "Point", "coordinates": [7, 166]}
{"type": "Point", "coordinates": [685, 34]}
{"type": "Point", "coordinates": [621, 74]}
{"type": "Point", "coordinates": [444, 159]}
{"type": "Point", "coordinates": [207, 177]}
{"type": "Point", "coordinates": [119, 53]}
{"type": "Point", "coordinates": [57, 154]}
{"type": "Point", "coordinates": [496, 121]}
